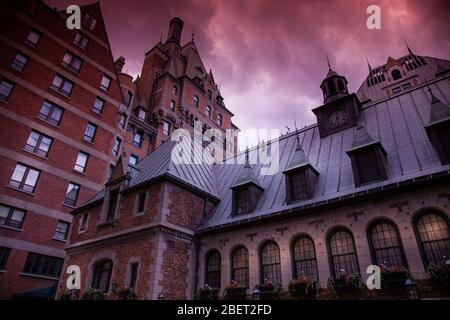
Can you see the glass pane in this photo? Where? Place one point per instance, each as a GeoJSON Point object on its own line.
{"type": "Point", "coordinates": [5, 89]}
{"type": "Point", "coordinates": [45, 144]}
{"type": "Point", "coordinates": [46, 107]}
{"type": "Point", "coordinates": [57, 81]}
{"type": "Point", "coordinates": [19, 171]}
{"type": "Point", "coordinates": [56, 115]}
{"type": "Point", "coordinates": [32, 177]}
{"type": "Point", "coordinates": [33, 139]}
{"type": "Point", "coordinates": [67, 86]}
{"type": "Point", "coordinates": [4, 211]}
{"type": "Point", "coordinates": [67, 58]}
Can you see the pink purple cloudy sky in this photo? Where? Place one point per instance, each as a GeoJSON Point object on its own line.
{"type": "Point", "coordinates": [269, 55]}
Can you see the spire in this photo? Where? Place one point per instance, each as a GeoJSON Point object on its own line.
{"type": "Point", "coordinates": [299, 147]}
{"type": "Point", "coordinates": [329, 66]}
{"type": "Point", "coordinates": [409, 49]}
{"type": "Point", "coordinates": [368, 64]}
{"type": "Point", "coordinates": [247, 162]}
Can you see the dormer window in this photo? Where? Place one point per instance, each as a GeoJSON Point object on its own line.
{"type": "Point", "coordinates": [246, 190]}
{"type": "Point", "coordinates": [368, 157]}
{"type": "Point", "coordinates": [242, 200]}
{"type": "Point", "coordinates": [300, 177]}
{"type": "Point", "coordinates": [298, 186]}
{"type": "Point", "coordinates": [89, 21]}
{"type": "Point", "coordinates": [396, 74]}
{"type": "Point", "coordinates": [112, 204]}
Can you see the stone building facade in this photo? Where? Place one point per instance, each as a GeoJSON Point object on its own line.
{"type": "Point", "coordinates": [367, 184]}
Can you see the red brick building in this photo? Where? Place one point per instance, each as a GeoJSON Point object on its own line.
{"type": "Point", "coordinates": [59, 105]}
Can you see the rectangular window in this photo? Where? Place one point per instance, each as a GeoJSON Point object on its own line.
{"type": "Point", "coordinates": [83, 222]}
{"type": "Point", "coordinates": [242, 201]}
{"type": "Point", "coordinates": [98, 105]}
{"type": "Point", "coordinates": [62, 229]}
{"type": "Point", "coordinates": [167, 128]}
{"type": "Point", "coordinates": [81, 162]}
{"type": "Point", "coordinates": [89, 21]}
{"type": "Point", "coordinates": [122, 121]}
{"type": "Point", "coordinates": [11, 217]}
{"type": "Point", "coordinates": [89, 133]}
{"type": "Point", "coordinates": [24, 178]}
{"type": "Point", "coordinates": [116, 147]}
{"type": "Point", "coordinates": [19, 62]}
{"type": "Point", "coordinates": [172, 105]}
{"type": "Point", "coordinates": [62, 85]}
{"type": "Point", "coordinates": [133, 160]}
{"type": "Point", "coordinates": [72, 194]}
{"type": "Point", "coordinates": [133, 274]}
{"type": "Point", "coordinates": [33, 38]}
{"type": "Point", "coordinates": [104, 84]}
{"type": "Point", "coordinates": [113, 198]}
{"type": "Point", "coordinates": [297, 185]}
{"type": "Point", "coordinates": [81, 41]}
{"type": "Point", "coordinates": [51, 113]}
{"type": "Point", "coordinates": [141, 202]}
{"type": "Point", "coordinates": [42, 265]}
{"type": "Point", "coordinates": [137, 139]}
{"type": "Point", "coordinates": [6, 88]}
{"type": "Point", "coordinates": [366, 162]}
{"type": "Point", "coordinates": [142, 114]}
{"type": "Point", "coordinates": [72, 62]}
{"type": "Point", "coordinates": [38, 143]}
{"type": "Point", "coordinates": [407, 85]}
{"type": "Point", "coordinates": [128, 98]}
{"type": "Point", "coordinates": [4, 256]}
{"type": "Point", "coordinates": [396, 90]}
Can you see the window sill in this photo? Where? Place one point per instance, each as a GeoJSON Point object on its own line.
{"type": "Point", "coordinates": [48, 122]}
{"type": "Point", "coordinates": [87, 141]}
{"type": "Point", "coordinates": [97, 113]}
{"type": "Point", "coordinates": [79, 172]}
{"type": "Point", "coordinates": [68, 67]}
{"type": "Point", "coordinates": [34, 154]}
{"type": "Point", "coordinates": [11, 228]}
{"type": "Point", "coordinates": [37, 276]}
{"type": "Point", "coordinates": [138, 214]}
{"type": "Point", "coordinates": [107, 223]}
{"type": "Point", "coordinates": [60, 240]}
{"type": "Point", "coordinates": [82, 231]}
{"type": "Point", "coordinates": [69, 206]}
{"type": "Point", "coordinates": [20, 190]}
{"type": "Point", "coordinates": [2, 271]}
{"type": "Point", "coordinates": [60, 93]}
{"type": "Point", "coordinates": [18, 71]}
{"type": "Point", "coordinates": [4, 101]}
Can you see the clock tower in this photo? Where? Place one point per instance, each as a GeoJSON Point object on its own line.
{"type": "Point", "coordinates": [340, 109]}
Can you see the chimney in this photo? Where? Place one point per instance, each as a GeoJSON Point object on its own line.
{"type": "Point", "coordinates": [119, 63]}
{"type": "Point", "coordinates": [175, 29]}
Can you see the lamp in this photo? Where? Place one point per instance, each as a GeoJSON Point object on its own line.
{"type": "Point", "coordinates": [411, 290]}
{"type": "Point", "coordinates": [256, 294]}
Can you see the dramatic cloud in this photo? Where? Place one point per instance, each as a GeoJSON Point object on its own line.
{"type": "Point", "coordinates": [269, 56]}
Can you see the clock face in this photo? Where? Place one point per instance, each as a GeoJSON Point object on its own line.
{"type": "Point", "coordinates": [337, 119]}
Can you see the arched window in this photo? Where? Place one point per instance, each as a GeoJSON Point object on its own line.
{"type": "Point", "coordinates": [208, 111]}
{"type": "Point", "coordinates": [386, 246]}
{"type": "Point", "coordinates": [304, 255]}
{"type": "Point", "coordinates": [196, 101]}
{"type": "Point", "coordinates": [270, 263]}
{"type": "Point", "coordinates": [396, 74]}
{"type": "Point", "coordinates": [213, 262]}
{"type": "Point", "coordinates": [102, 275]}
{"type": "Point", "coordinates": [331, 87]}
{"type": "Point", "coordinates": [343, 256]}
{"type": "Point", "coordinates": [433, 235]}
{"type": "Point", "coordinates": [239, 270]}
{"type": "Point", "coordinates": [219, 120]}
{"type": "Point", "coordinates": [341, 86]}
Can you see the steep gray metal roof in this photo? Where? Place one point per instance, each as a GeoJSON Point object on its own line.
{"type": "Point", "coordinates": [397, 123]}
